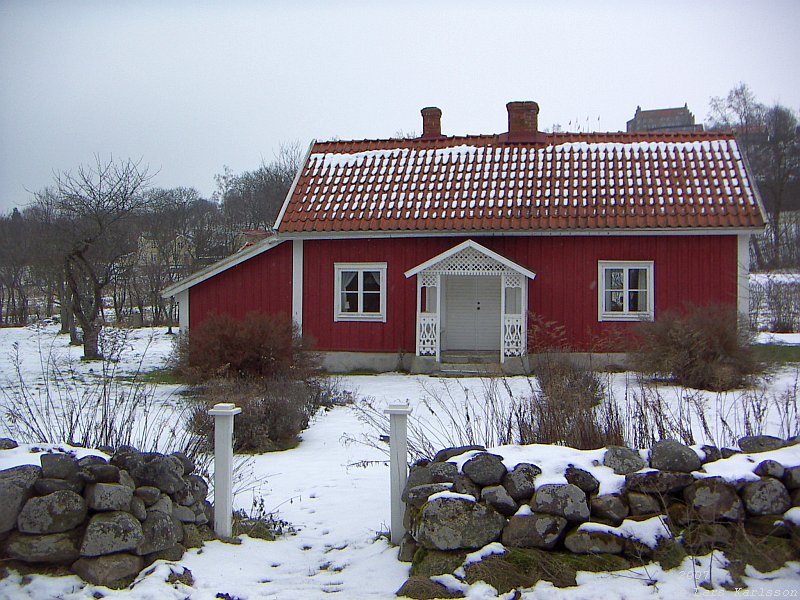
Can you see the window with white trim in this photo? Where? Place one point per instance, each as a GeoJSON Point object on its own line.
{"type": "Point", "coordinates": [360, 290]}
{"type": "Point", "coordinates": [625, 291]}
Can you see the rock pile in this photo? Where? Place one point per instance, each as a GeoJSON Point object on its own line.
{"type": "Point", "coordinates": [105, 520]}
{"type": "Point", "coordinates": [456, 509]}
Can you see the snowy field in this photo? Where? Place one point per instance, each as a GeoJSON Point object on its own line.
{"type": "Point", "coordinates": [336, 494]}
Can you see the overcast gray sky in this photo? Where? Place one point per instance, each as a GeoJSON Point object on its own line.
{"type": "Point", "coordinates": [189, 87]}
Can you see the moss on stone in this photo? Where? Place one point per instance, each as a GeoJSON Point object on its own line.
{"type": "Point", "coordinates": [523, 567]}
{"type": "Point", "coordinates": [427, 562]}
{"type": "Point", "coordinates": [422, 588]}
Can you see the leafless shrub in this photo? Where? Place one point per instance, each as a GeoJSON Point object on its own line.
{"type": "Point", "coordinates": [569, 409]}
{"type": "Point", "coordinates": [273, 413]}
{"type": "Point", "coordinates": [775, 305]}
{"type": "Point", "coordinates": [101, 409]}
{"type": "Point", "coordinates": [703, 348]}
{"type": "Point", "coordinates": [260, 345]}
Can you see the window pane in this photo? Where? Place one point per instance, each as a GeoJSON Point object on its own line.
{"type": "Point", "coordinates": [349, 302]}
{"type": "Point", "coordinates": [614, 302]}
{"type": "Point", "coordinates": [615, 279]}
{"type": "Point", "coordinates": [637, 279]}
{"type": "Point", "coordinates": [637, 301]}
{"type": "Point", "coordinates": [372, 302]}
{"type": "Point", "coordinates": [350, 281]}
{"type": "Point", "coordinates": [372, 281]}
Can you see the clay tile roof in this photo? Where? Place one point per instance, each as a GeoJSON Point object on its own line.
{"type": "Point", "coordinates": [569, 182]}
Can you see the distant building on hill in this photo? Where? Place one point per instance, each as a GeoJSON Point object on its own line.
{"type": "Point", "coordinates": [664, 120]}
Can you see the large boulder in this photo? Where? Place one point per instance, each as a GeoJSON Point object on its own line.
{"type": "Point", "coordinates": [593, 542]}
{"type": "Point", "coordinates": [444, 472]}
{"type": "Point", "coordinates": [99, 472]}
{"type": "Point", "coordinates": [753, 444]}
{"type": "Point", "coordinates": [766, 497]}
{"type": "Point", "coordinates": [534, 531]}
{"type": "Point", "coordinates": [157, 470]}
{"type": "Point", "coordinates": [791, 478]}
{"type": "Point", "coordinates": [159, 533]}
{"type": "Point", "coordinates": [54, 548]}
{"type": "Point", "coordinates": [497, 497]}
{"type": "Point", "coordinates": [712, 500]}
{"type": "Point", "coordinates": [54, 513]}
{"type": "Point", "coordinates": [417, 496]}
{"type": "Point", "coordinates": [114, 571]}
{"type": "Point", "coordinates": [658, 482]}
{"type": "Point", "coordinates": [520, 481]}
{"type": "Point", "coordinates": [610, 507]}
{"type": "Point", "coordinates": [111, 532]}
{"type": "Point", "coordinates": [447, 453]}
{"type": "Point", "coordinates": [418, 475]}
{"type": "Point", "coordinates": [16, 487]}
{"type": "Point", "coordinates": [671, 455]}
{"type": "Point", "coordinates": [485, 469]}
{"type": "Point", "coordinates": [44, 486]}
{"type": "Point", "coordinates": [454, 523]}
{"type": "Point", "coordinates": [583, 479]}
{"type": "Point", "coordinates": [58, 465]}
{"type": "Point", "coordinates": [108, 496]}
{"type": "Point", "coordinates": [563, 500]}
{"type": "Point", "coordinates": [623, 460]}
{"type": "Point", "coordinates": [643, 504]}
{"type": "Point", "coordinates": [770, 468]}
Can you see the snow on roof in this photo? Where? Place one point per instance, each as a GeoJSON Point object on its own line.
{"type": "Point", "coordinates": [572, 181]}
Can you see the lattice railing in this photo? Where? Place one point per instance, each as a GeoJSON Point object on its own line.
{"type": "Point", "coordinates": [513, 335]}
{"type": "Point", "coordinates": [427, 335]}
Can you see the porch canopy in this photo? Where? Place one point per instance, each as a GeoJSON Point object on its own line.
{"type": "Point", "coordinates": [471, 298]}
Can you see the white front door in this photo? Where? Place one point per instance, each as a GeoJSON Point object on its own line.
{"type": "Point", "coordinates": [472, 316]}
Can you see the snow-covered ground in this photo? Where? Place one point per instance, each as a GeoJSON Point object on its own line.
{"type": "Point", "coordinates": [336, 495]}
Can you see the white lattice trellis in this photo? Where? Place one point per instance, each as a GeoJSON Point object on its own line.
{"type": "Point", "coordinates": [468, 262]}
{"type": "Point", "coordinates": [471, 262]}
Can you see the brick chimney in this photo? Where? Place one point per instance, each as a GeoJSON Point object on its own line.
{"type": "Point", "coordinates": [431, 122]}
{"type": "Point", "coordinates": [523, 122]}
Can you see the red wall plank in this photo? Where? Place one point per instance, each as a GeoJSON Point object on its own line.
{"type": "Point", "coordinates": [688, 270]}
{"type": "Point", "coordinates": [260, 284]}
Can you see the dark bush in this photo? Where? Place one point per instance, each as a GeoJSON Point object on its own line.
{"type": "Point", "coordinates": [702, 348]}
{"type": "Point", "coordinates": [571, 409]}
{"type": "Point", "coordinates": [273, 413]}
{"type": "Point", "coordinates": [265, 346]}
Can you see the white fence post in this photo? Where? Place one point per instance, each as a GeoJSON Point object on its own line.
{"type": "Point", "coordinates": [398, 450]}
{"type": "Point", "coordinates": [223, 414]}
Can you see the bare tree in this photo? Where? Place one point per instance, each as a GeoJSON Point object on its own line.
{"type": "Point", "coordinates": [14, 269]}
{"type": "Point", "coordinates": [95, 205]}
{"type": "Point", "coordinates": [768, 137]}
{"type": "Point", "coordinates": [253, 199]}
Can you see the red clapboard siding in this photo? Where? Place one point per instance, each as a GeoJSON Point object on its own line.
{"type": "Point", "coordinates": [688, 270]}
{"type": "Point", "coordinates": [260, 284]}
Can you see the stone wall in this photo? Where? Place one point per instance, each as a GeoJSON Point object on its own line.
{"type": "Point", "coordinates": [104, 520]}
{"type": "Point", "coordinates": [466, 499]}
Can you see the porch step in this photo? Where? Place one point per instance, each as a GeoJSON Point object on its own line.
{"type": "Point", "coordinates": [455, 357]}
{"type": "Point", "coordinates": [466, 369]}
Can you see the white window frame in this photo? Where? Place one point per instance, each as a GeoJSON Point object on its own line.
{"type": "Point", "coordinates": [360, 268]}
{"type": "Point", "coordinates": [626, 315]}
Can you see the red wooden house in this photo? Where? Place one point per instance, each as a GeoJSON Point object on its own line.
{"type": "Point", "coordinates": [418, 249]}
